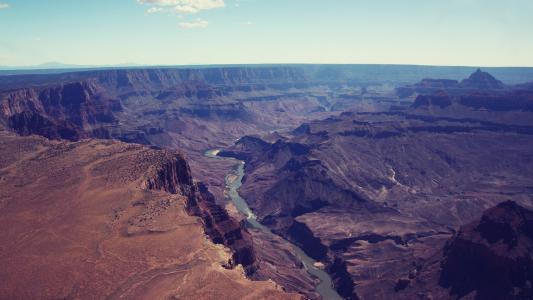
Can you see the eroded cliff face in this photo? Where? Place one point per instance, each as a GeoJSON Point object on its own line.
{"type": "Point", "coordinates": [174, 176]}
{"type": "Point", "coordinates": [222, 229]}
{"type": "Point", "coordinates": [70, 111]}
{"type": "Point", "coordinates": [161, 78]}
{"type": "Point", "coordinates": [492, 257]}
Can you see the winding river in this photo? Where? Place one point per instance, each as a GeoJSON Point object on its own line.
{"type": "Point", "coordinates": [233, 183]}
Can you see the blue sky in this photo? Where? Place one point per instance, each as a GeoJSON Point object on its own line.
{"type": "Point", "coordinates": [165, 32]}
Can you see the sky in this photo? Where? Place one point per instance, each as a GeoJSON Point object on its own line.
{"type": "Point", "coordinates": [190, 32]}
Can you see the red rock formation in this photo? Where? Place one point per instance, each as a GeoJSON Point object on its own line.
{"type": "Point", "coordinates": [492, 257]}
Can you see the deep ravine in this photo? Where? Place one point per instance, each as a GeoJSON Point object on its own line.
{"type": "Point", "coordinates": [325, 287]}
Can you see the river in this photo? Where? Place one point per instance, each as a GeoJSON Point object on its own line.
{"type": "Point", "coordinates": [233, 183]}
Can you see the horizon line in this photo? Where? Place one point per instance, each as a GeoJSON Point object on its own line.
{"type": "Point", "coordinates": [66, 66]}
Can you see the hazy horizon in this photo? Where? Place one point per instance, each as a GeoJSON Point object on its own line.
{"type": "Point", "coordinates": [60, 65]}
{"type": "Point", "coordinates": [237, 32]}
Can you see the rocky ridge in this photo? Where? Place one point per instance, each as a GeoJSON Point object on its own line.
{"type": "Point", "coordinates": [106, 219]}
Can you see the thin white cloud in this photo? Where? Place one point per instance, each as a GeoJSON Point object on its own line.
{"type": "Point", "coordinates": [184, 6]}
{"type": "Point", "coordinates": [4, 5]}
{"type": "Point", "coordinates": [198, 23]}
{"type": "Point", "coordinates": [153, 10]}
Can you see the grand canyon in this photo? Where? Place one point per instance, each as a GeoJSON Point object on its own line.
{"type": "Point", "coordinates": [267, 182]}
{"type": "Point", "coordinates": [254, 149]}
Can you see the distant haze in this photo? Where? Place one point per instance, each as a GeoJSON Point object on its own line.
{"type": "Point", "coordinates": [179, 32]}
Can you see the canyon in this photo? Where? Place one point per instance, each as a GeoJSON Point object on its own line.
{"type": "Point", "coordinates": [383, 175]}
{"type": "Point", "coordinates": [373, 195]}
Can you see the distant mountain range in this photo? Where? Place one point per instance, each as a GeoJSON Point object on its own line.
{"type": "Point", "coordinates": [59, 65]}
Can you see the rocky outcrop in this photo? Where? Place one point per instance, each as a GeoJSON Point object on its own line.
{"type": "Point", "coordinates": [441, 100]}
{"type": "Point", "coordinates": [222, 229]}
{"type": "Point", "coordinates": [174, 176]}
{"type": "Point", "coordinates": [28, 122]}
{"type": "Point", "coordinates": [481, 81]}
{"type": "Point", "coordinates": [476, 82]}
{"type": "Point", "coordinates": [492, 257]}
{"type": "Point", "coordinates": [481, 91]}
{"type": "Point", "coordinates": [498, 102]}
{"type": "Point", "coordinates": [517, 101]}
